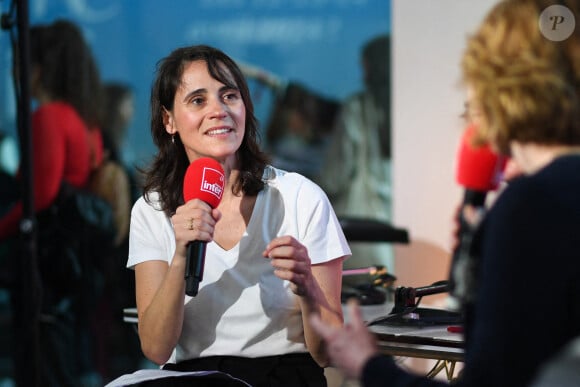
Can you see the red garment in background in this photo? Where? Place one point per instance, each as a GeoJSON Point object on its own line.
{"type": "Point", "coordinates": [61, 151]}
{"type": "Point", "coordinates": [97, 148]}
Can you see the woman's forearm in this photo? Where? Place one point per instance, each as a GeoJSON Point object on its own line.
{"type": "Point", "coordinates": [161, 318]}
{"type": "Point", "coordinates": [323, 300]}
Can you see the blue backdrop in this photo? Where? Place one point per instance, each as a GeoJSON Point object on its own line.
{"type": "Point", "coordinates": [313, 42]}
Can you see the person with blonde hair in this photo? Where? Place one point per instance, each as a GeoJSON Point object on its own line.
{"type": "Point", "coordinates": [525, 81]}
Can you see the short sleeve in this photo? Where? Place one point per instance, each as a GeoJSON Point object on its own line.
{"type": "Point", "coordinates": [150, 234]}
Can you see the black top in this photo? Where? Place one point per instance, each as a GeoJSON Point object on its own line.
{"type": "Point", "coordinates": [527, 305]}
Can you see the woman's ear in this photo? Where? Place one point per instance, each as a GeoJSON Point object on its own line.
{"type": "Point", "coordinates": [168, 121]}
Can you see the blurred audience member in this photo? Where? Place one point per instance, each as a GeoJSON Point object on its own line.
{"type": "Point", "coordinates": [356, 173]}
{"type": "Point", "coordinates": [117, 116]}
{"type": "Point", "coordinates": [112, 181]}
{"type": "Point", "coordinates": [66, 148]}
{"type": "Point", "coordinates": [298, 130]}
{"type": "Point", "coordinates": [116, 344]}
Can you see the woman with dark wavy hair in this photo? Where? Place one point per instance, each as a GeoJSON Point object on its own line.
{"type": "Point", "coordinates": [274, 245]}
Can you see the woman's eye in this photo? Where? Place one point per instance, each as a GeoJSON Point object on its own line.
{"type": "Point", "coordinates": [231, 96]}
{"type": "Point", "coordinates": [197, 101]}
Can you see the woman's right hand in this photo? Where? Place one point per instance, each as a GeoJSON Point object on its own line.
{"type": "Point", "coordinates": [195, 220]}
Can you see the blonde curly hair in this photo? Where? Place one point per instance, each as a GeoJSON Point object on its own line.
{"type": "Point", "coordinates": [526, 85]}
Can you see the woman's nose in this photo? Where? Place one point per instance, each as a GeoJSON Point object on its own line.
{"type": "Point", "coordinates": [217, 108]}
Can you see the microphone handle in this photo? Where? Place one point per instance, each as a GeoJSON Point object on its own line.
{"type": "Point", "coordinates": [474, 197]}
{"type": "Point", "coordinates": [194, 264]}
{"type": "Point", "coordinates": [460, 259]}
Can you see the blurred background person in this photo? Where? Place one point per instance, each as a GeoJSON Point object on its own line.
{"type": "Point", "coordinates": [118, 115]}
{"type": "Point", "coordinates": [116, 346]}
{"type": "Point", "coordinates": [356, 172]}
{"type": "Point", "coordinates": [66, 148]}
{"type": "Point", "coordinates": [115, 180]}
{"type": "Point", "coordinates": [299, 128]}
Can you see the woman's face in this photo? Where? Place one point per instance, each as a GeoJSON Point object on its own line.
{"type": "Point", "coordinates": [209, 117]}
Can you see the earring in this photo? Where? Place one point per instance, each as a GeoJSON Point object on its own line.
{"type": "Point", "coordinates": [173, 138]}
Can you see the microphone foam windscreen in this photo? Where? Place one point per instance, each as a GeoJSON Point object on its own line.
{"type": "Point", "coordinates": [204, 179]}
{"type": "Point", "coordinates": [478, 168]}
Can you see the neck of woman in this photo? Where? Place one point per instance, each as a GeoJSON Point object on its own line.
{"type": "Point", "coordinates": [533, 157]}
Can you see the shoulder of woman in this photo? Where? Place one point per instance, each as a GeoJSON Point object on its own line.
{"type": "Point", "coordinates": [57, 107]}
{"type": "Point", "coordinates": [280, 177]}
{"type": "Point", "coordinates": [150, 201]}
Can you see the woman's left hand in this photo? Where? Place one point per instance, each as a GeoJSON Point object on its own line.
{"type": "Point", "coordinates": [291, 262]}
{"type": "Point", "coordinates": [317, 287]}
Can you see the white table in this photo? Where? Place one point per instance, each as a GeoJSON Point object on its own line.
{"type": "Point", "coordinates": [428, 342]}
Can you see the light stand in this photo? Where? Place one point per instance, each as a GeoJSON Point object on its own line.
{"type": "Point", "coordinates": [26, 292]}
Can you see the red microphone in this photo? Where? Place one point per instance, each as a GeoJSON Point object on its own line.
{"type": "Point", "coordinates": [479, 170]}
{"type": "Point", "coordinates": [204, 179]}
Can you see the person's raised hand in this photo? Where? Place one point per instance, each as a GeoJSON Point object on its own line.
{"type": "Point", "coordinates": [349, 347]}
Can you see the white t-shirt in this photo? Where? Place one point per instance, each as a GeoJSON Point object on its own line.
{"type": "Point", "coordinates": [242, 308]}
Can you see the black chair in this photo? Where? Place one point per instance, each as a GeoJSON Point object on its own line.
{"type": "Point", "coordinates": [369, 230]}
